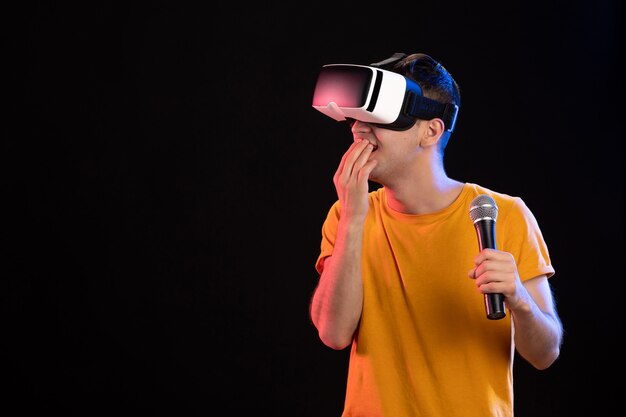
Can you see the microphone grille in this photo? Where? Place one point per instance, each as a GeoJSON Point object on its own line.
{"type": "Point", "coordinates": [483, 207]}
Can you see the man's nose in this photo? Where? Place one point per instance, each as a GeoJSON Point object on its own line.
{"type": "Point", "coordinates": [359, 126]}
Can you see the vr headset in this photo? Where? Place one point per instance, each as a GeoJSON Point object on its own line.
{"type": "Point", "coordinates": [377, 96]}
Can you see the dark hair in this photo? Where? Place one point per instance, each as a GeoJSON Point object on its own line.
{"type": "Point", "coordinates": [435, 81]}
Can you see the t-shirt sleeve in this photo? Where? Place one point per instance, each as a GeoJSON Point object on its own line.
{"type": "Point", "coordinates": [329, 234]}
{"type": "Point", "coordinates": [522, 237]}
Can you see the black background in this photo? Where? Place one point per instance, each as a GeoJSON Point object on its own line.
{"type": "Point", "coordinates": [165, 180]}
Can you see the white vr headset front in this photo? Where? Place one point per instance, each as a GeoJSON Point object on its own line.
{"type": "Point", "coordinates": [378, 96]}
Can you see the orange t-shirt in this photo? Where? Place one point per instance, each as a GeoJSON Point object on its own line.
{"type": "Point", "coordinates": [424, 346]}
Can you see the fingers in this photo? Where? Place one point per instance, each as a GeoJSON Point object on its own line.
{"type": "Point", "coordinates": [492, 260]}
{"type": "Point", "coordinates": [353, 160]}
{"type": "Point", "coordinates": [364, 173]}
{"type": "Point", "coordinates": [345, 157]}
{"type": "Point", "coordinates": [472, 273]}
{"type": "Point", "coordinates": [486, 254]}
{"type": "Point", "coordinates": [495, 271]}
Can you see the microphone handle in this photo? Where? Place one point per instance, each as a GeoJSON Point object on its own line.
{"type": "Point", "coordinates": [494, 306]}
{"type": "Point", "coordinates": [494, 302]}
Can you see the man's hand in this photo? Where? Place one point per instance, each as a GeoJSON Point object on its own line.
{"type": "Point", "coordinates": [351, 179]}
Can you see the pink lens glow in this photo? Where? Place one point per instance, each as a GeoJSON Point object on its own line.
{"type": "Point", "coordinates": [346, 86]}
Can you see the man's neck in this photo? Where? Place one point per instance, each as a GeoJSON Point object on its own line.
{"type": "Point", "coordinates": [423, 195]}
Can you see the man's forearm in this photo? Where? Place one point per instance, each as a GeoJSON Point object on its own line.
{"type": "Point", "coordinates": [338, 299]}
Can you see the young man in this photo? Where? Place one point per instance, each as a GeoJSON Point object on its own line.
{"type": "Point", "coordinates": [402, 280]}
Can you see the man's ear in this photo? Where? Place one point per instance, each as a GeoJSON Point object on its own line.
{"type": "Point", "coordinates": [432, 134]}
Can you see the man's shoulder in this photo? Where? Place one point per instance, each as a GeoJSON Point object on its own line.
{"type": "Point", "coordinates": [504, 201]}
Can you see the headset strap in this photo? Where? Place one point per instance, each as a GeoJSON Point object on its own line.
{"type": "Point", "coordinates": [425, 108]}
{"type": "Point", "coordinates": [389, 61]}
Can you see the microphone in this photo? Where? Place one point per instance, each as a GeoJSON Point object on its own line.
{"type": "Point", "coordinates": [483, 212]}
